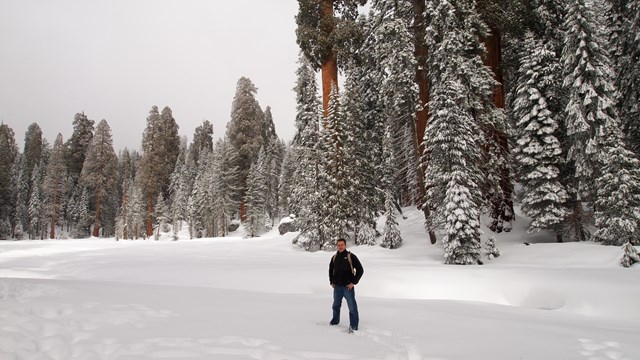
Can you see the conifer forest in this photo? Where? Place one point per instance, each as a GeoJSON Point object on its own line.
{"type": "Point", "coordinates": [456, 107]}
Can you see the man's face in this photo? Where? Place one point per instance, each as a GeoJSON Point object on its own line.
{"type": "Point", "coordinates": [341, 246]}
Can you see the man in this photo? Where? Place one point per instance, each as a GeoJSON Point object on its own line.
{"type": "Point", "coordinates": [345, 271]}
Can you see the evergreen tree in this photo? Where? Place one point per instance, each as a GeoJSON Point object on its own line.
{"type": "Point", "coordinates": [179, 189]}
{"type": "Point", "coordinates": [36, 205]}
{"type": "Point", "coordinates": [617, 208]}
{"type": "Point", "coordinates": [55, 184]}
{"type": "Point", "coordinates": [226, 177]}
{"type": "Point", "coordinates": [590, 92]}
{"type": "Point", "coordinates": [245, 130]}
{"type": "Point", "coordinates": [78, 145]}
{"type": "Point", "coordinates": [391, 238]}
{"type": "Point", "coordinates": [8, 158]}
{"type": "Point", "coordinates": [285, 188]}
{"type": "Point", "coordinates": [160, 214]}
{"type": "Point", "coordinates": [491, 249]}
{"type": "Point", "coordinates": [255, 198]}
{"type": "Point", "coordinates": [202, 138]}
{"type": "Point", "coordinates": [99, 170]}
{"type": "Point", "coordinates": [453, 137]}
{"type": "Point", "coordinates": [304, 201]}
{"type": "Point", "coordinates": [333, 183]}
{"type": "Point", "coordinates": [20, 194]}
{"type": "Point", "coordinates": [630, 255]}
{"type": "Point", "coordinates": [538, 151]}
{"type": "Point", "coordinates": [160, 146]}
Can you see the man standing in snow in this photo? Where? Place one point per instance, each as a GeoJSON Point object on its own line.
{"type": "Point", "coordinates": [345, 271]}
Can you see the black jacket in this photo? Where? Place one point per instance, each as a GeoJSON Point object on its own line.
{"type": "Point", "coordinates": [340, 272]}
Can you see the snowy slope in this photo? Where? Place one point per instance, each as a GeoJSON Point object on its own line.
{"type": "Point", "coordinates": [235, 298]}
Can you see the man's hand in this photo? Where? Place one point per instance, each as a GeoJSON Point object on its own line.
{"type": "Point", "coordinates": [350, 286]}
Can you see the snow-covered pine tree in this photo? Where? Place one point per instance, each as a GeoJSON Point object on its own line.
{"type": "Point", "coordinates": [99, 171]}
{"type": "Point", "coordinates": [623, 23]}
{"type": "Point", "coordinates": [226, 177]}
{"type": "Point", "coordinates": [304, 201]}
{"type": "Point", "coordinates": [55, 184]}
{"type": "Point", "coordinates": [335, 205]}
{"type": "Point", "coordinates": [255, 197]}
{"type": "Point", "coordinates": [78, 145]}
{"type": "Point", "coordinates": [8, 158]}
{"type": "Point", "coordinates": [37, 214]}
{"type": "Point", "coordinates": [588, 83]}
{"type": "Point", "coordinates": [160, 146]}
{"type": "Point", "coordinates": [453, 137]}
{"type": "Point", "coordinates": [491, 249]}
{"type": "Point", "coordinates": [202, 138]}
{"type": "Point", "coordinates": [161, 216]}
{"type": "Point", "coordinates": [538, 151]}
{"type": "Point", "coordinates": [391, 237]}
{"type": "Point", "coordinates": [244, 130]}
{"type": "Point", "coordinates": [286, 181]}
{"type": "Point", "coordinates": [201, 212]}
{"type": "Point", "coordinates": [360, 211]}
{"type": "Point", "coordinates": [617, 206]}
{"type": "Point", "coordinates": [630, 255]}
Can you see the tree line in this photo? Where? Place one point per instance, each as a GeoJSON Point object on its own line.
{"type": "Point", "coordinates": [81, 187]}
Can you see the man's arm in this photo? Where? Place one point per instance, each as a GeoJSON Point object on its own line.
{"type": "Point", "coordinates": [359, 269]}
{"type": "Point", "coordinates": [331, 271]}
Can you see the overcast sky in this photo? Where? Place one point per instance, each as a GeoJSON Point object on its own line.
{"type": "Point", "coordinates": [115, 59]}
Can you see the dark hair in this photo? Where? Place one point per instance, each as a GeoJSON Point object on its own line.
{"type": "Point", "coordinates": [341, 239]}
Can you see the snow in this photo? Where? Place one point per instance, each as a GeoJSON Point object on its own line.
{"type": "Point", "coordinates": [263, 298]}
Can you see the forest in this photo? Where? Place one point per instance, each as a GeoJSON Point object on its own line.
{"type": "Point", "coordinates": [456, 107]}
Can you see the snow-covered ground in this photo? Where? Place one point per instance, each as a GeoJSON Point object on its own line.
{"type": "Point", "coordinates": [235, 298]}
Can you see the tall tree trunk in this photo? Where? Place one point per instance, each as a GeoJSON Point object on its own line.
{"type": "Point", "coordinates": [422, 116]}
{"type": "Point", "coordinates": [149, 214]}
{"type": "Point", "coordinates": [52, 235]}
{"type": "Point", "coordinates": [329, 64]}
{"type": "Point", "coordinates": [96, 222]}
{"type": "Point", "coordinates": [502, 208]}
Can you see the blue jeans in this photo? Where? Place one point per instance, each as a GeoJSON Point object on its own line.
{"type": "Point", "coordinates": [338, 293]}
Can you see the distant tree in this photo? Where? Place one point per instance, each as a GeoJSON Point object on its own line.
{"type": "Point", "coordinates": [8, 158]}
{"type": "Point", "coordinates": [161, 216]}
{"type": "Point", "coordinates": [490, 248]}
{"type": "Point", "coordinates": [244, 131]}
{"type": "Point", "coordinates": [202, 138]}
{"type": "Point", "coordinates": [99, 171]}
{"type": "Point", "coordinates": [226, 177]}
{"type": "Point", "coordinates": [255, 198]}
{"type": "Point", "coordinates": [391, 237]}
{"type": "Point", "coordinates": [78, 145]}
{"type": "Point", "coordinates": [160, 146]}
{"type": "Point", "coordinates": [55, 184]}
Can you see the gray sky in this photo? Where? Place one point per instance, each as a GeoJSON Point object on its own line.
{"type": "Point", "coordinates": [115, 59]}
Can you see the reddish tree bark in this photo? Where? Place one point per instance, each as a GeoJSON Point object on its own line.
{"type": "Point", "coordinates": [502, 208]}
{"type": "Point", "coordinates": [329, 64]}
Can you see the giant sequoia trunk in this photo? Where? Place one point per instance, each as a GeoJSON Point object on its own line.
{"type": "Point", "coordinates": [329, 64]}
{"type": "Point", "coordinates": [96, 222]}
{"type": "Point", "coordinates": [422, 115]}
{"type": "Point", "coordinates": [52, 234]}
{"type": "Point", "coordinates": [502, 209]}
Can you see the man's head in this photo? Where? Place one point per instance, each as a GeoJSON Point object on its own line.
{"type": "Point", "coordinates": [341, 244]}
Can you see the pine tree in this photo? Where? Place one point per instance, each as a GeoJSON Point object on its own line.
{"type": "Point", "coordinates": [333, 183]}
{"type": "Point", "coordinates": [255, 198]}
{"type": "Point", "coordinates": [538, 152]}
{"type": "Point", "coordinates": [202, 138]}
{"type": "Point", "coordinates": [226, 177]}
{"type": "Point", "coordinates": [245, 130]}
{"type": "Point", "coordinates": [630, 255]}
{"type": "Point", "coordinates": [78, 145]}
{"type": "Point", "coordinates": [304, 201]}
{"type": "Point", "coordinates": [8, 158]}
{"type": "Point", "coordinates": [36, 208]}
{"type": "Point", "coordinates": [160, 146]}
{"type": "Point", "coordinates": [590, 90]}
{"type": "Point", "coordinates": [55, 184]}
{"type": "Point", "coordinates": [160, 214]}
{"type": "Point", "coordinates": [617, 208]}
{"type": "Point", "coordinates": [99, 170]}
{"type": "Point", "coordinates": [453, 137]}
{"type": "Point", "coordinates": [490, 248]}
{"type": "Point", "coordinates": [391, 238]}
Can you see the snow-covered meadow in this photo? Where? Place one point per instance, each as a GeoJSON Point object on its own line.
{"type": "Point", "coordinates": [262, 298]}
